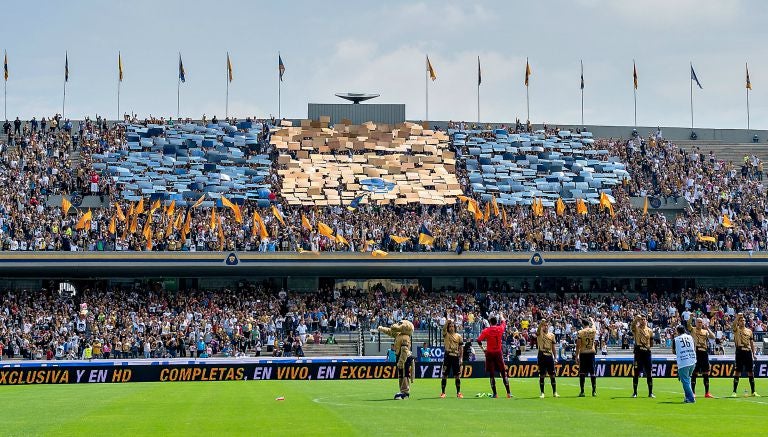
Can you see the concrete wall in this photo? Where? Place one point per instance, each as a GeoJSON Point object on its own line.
{"type": "Point", "coordinates": [360, 113]}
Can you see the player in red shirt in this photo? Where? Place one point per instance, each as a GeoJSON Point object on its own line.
{"type": "Point", "coordinates": [493, 359]}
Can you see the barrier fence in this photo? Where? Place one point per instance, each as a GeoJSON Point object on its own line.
{"type": "Point", "coordinates": [78, 372]}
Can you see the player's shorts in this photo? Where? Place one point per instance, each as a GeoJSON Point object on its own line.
{"type": "Point", "coordinates": [587, 364]}
{"type": "Point", "coordinates": [494, 363]}
{"type": "Point", "coordinates": [546, 365]}
{"type": "Point", "coordinates": [451, 367]}
{"type": "Point", "coordinates": [744, 362]}
{"type": "Point", "coordinates": [702, 362]}
{"type": "Point", "coordinates": [643, 362]}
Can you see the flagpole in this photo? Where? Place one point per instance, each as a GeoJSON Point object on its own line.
{"type": "Point", "coordinates": [634, 88]}
{"type": "Point", "coordinates": [478, 92]}
{"type": "Point", "coordinates": [527, 105]}
{"type": "Point", "coordinates": [118, 100]}
{"type": "Point", "coordinates": [582, 93]}
{"type": "Point", "coordinates": [426, 90]}
{"type": "Point", "coordinates": [691, 78]}
{"type": "Point", "coordinates": [279, 89]}
{"type": "Point", "coordinates": [747, 108]}
{"type": "Point", "coordinates": [64, 100]}
{"type": "Point", "coordinates": [226, 105]}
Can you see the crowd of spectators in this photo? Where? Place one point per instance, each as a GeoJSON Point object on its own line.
{"type": "Point", "coordinates": [36, 161]}
{"type": "Point", "coordinates": [255, 319]}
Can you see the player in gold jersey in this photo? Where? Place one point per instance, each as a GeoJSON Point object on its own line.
{"type": "Point", "coordinates": [642, 363]}
{"type": "Point", "coordinates": [585, 354]}
{"type": "Point", "coordinates": [452, 359]}
{"type": "Point", "coordinates": [745, 353]}
{"type": "Point", "coordinates": [545, 342]}
{"type": "Point", "coordinates": [701, 336]}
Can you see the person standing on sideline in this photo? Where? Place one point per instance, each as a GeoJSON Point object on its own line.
{"type": "Point", "coordinates": [701, 335]}
{"type": "Point", "coordinates": [493, 360]}
{"type": "Point", "coordinates": [683, 348]}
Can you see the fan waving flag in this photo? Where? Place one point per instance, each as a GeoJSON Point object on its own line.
{"type": "Point", "coordinates": [355, 204]}
{"type": "Point", "coordinates": [431, 70]}
{"type": "Point", "coordinates": [280, 66]}
{"type": "Point", "coordinates": [229, 68]}
{"type": "Point", "coordinates": [182, 75]}
{"type": "Point", "coordinates": [749, 83]}
{"type": "Point", "coordinates": [694, 78]}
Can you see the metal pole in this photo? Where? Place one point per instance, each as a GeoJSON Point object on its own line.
{"type": "Point", "coordinates": [527, 105]}
{"type": "Point", "coordinates": [64, 101]}
{"type": "Point", "coordinates": [582, 107]}
{"type": "Point", "coordinates": [279, 97]}
{"type": "Point", "coordinates": [5, 98]}
{"type": "Point", "coordinates": [478, 103]}
{"type": "Point", "coordinates": [635, 94]}
{"type": "Point", "coordinates": [691, 100]}
{"type": "Point", "coordinates": [426, 90]}
{"type": "Point", "coordinates": [178, 93]}
{"type": "Point", "coordinates": [747, 108]}
{"type": "Point", "coordinates": [226, 105]}
{"type": "Point", "coordinates": [118, 101]}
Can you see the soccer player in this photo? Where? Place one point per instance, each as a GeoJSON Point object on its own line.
{"type": "Point", "coordinates": [493, 360]}
{"type": "Point", "coordinates": [683, 348]}
{"type": "Point", "coordinates": [642, 363]}
{"type": "Point", "coordinates": [745, 353]}
{"type": "Point", "coordinates": [701, 336]}
{"type": "Point", "coordinates": [452, 359]}
{"type": "Point", "coordinates": [585, 354]}
{"type": "Point", "coordinates": [546, 344]}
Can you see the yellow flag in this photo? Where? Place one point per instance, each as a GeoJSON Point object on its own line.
{"type": "Point", "coordinates": [235, 208]}
{"type": "Point", "coordinates": [325, 230]}
{"type": "Point", "coordinates": [221, 235]}
{"type": "Point", "coordinates": [134, 223]}
{"type": "Point", "coordinates": [398, 239]}
{"type": "Point", "coordinates": [112, 226]}
{"type": "Point", "coordinates": [379, 253]}
{"type": "Point", "coordinates": [147, 232]}
{"type": "Point", "coordinates": [727, 221]}
{"type": "Point", "coordinates": [504, 217]}
{"type": "Point", "coordinates": [213, 219]}
{"type": "Point", "coordinates": [645, 206]}
{"type": "Point", "coordinates": [119, 212]}
{"type": "Point", "coordinates": [495, 206]}
{"type": "Point", "coordinates": [169, 226]}
{"type": "Point", "coordinates": [178, 221]}
{"type": "Point", "coordinates": [305, 223]}
{"type": "Point", "coordinates": [581, 207]}
{"type": "Point", "coordinates": [431, 70]}
{"type": "Point", "coordinates": [527, 71]}
{"type": "Point", "coordinates": [155, 206]}
{"type": "Point", "coordinates": [342, 240]}
{"type": "Point", "coordinates": [229, 68]}
{"type": "Point", "coordinates": [119, 67]}
{"type": "Point", "coordinates": [560, 207]}
{"type": "Point", "coordinates": [171, 209]}
{"type": "Point", "coordinates": [606, 203]}
{"type": "Point", "coordinates": [199, 201]}
{"type": "Point", "coordinates": [187, 225]}
{"type": "Point", "coordinates": [66, 205]}
{"type": "Point", "coordinates": [487, 215]}
{"type": "Point", "coordinates": [277, 215]}
{"type": "Point", "coordinates": [84, 220]}
{"type": "Point", "coordinates": [139, 208]}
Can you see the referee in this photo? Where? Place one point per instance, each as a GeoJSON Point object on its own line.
{"type": "Point", "coordinates": [701, 336]}
{"type": "Point", "coordinates": [642, 363]}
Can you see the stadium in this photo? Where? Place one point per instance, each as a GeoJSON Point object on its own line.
{"type": "Point", "coordinates": [361, 268]}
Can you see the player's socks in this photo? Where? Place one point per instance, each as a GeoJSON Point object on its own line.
{"type": "Point", "coordinates": [582, 378]}
{"type": "Point", "coordinates": [634, 384]}
{"type": "Point", "coordinates": [442, 386]}
{"type": "Point", "coordinates": [493, 385]}
{"type": "Point", "coordinates": [506, 383]}
{"type": "Point", "coordinates": [735, 384]}
{"type": "Point", "coordinates": [458, 387]}
{"type": "Point", "coordinates": [554, 386]}
{"type": "Point", "coordinates": [593, 380]}
{"type": "Point", "coordinates": [650, 387]}
{"type": "Point", "coordinates": [541, 384]}
{"type": "Point", "coordinates": [706, 383]}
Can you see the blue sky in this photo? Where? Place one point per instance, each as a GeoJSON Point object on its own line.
{"type": "Point", "coordinates": [364, 46]}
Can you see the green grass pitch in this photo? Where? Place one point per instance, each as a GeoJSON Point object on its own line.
{"type": "Point", "coordinates": [342, 408]}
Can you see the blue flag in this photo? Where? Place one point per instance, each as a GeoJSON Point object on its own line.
{"type": "Point", "coordinates": [280, 66]}
{"type": "Point", "coordinates": [182, 76]}
{"type": "Point", "coordinates": [694, 78]}
{"type": "Point", "coordinates": [355, 203]}
{"type": "Point", "coordinates": [425, 236]}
